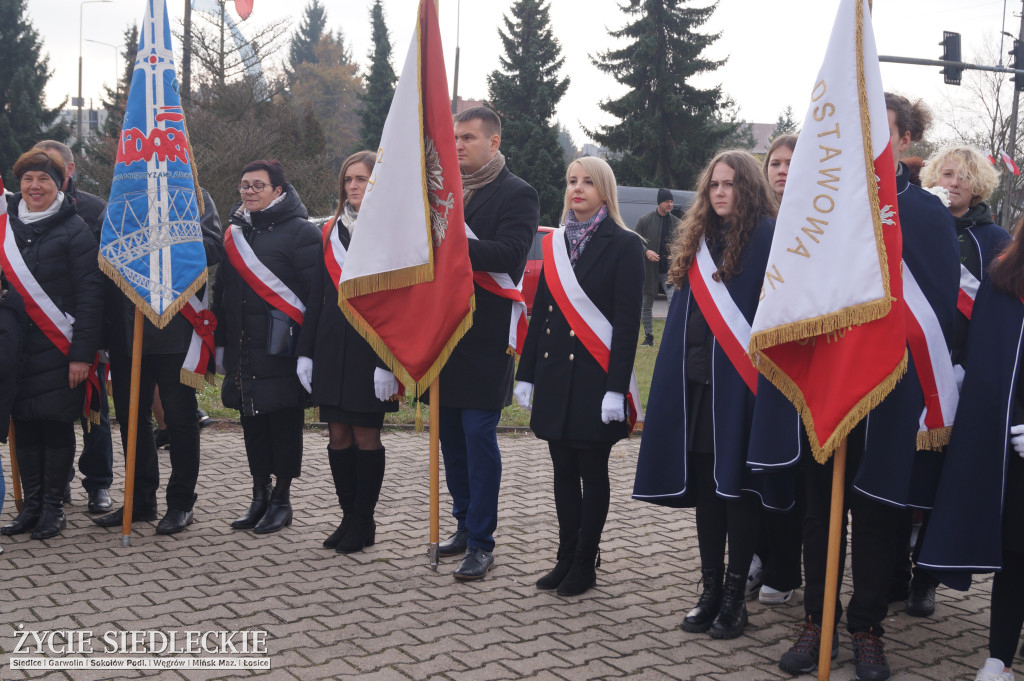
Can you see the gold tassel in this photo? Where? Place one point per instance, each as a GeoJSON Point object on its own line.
{"type": "Point", "coordinates": [818, 326]}
{"type": "Point", "coordinates": [162, 320]}
{"type": "Point", "coordinates": [387, 281]}
{"type": "Point", "coordinates": [935, 439]}
{"type": "Point", "coordinates": [419, 417]}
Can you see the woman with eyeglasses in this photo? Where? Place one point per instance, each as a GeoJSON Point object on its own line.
{"type": "Point", "coordinates": [352, 387]}
{"type": "Point", "coordinates": [272, 252]}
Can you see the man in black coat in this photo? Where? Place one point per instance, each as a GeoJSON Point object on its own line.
{"type": "Point", "coordinates": [476, 383]}
{"type": "Point", "coordinates": [163, 354]}
{"type": "Point", "coordinates": [97, 459]}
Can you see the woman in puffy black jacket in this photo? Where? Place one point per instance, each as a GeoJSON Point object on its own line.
{"type": "Point", "coordinates": [272, 253]}
{"type": "Point", "coordinates": [50, 258]}
{"type": "Point", "coordinates": [11, 312]}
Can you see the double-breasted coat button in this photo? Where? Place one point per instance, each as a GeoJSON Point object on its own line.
{"type": "Point", "coordinates": [545, 355]}
{"type": "Point", "coordinates": [547, 331]}
{"type": "Point", "coordinates": [550, 308]}
{"type": "Point", "coordinates": [571, 333]}
{"type": "Point", "coordinates": [571, 357]}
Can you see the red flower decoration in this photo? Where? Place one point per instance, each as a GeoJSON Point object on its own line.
{"type": "Point", "coordinates": [205, 323]}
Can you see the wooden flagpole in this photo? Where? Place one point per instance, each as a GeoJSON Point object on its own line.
{"type": "Point", "coordinates": [15, 473]}
{"type": "Point", "coordinates": [133, 432]}
{"type": "Point", "coordinates": [835, 527]}
{"type": "Point", "coordinates": [435, 475]}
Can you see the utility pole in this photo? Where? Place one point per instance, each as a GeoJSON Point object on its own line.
{"type": "Point", "coordinates": [186, 57]}
{"type": "Point", "coordinates": [1004, 218]}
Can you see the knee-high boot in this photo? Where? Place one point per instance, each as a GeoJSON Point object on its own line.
{"type": "Point", "coordinates": [343, 470]}
{"type": "Point", "coordinates": [279, 512]}
{"type": "Point", "coordinates": [369, 478]}
{"type": "Point", "coordinates": [57, 461]}
{"type": "Point", "coordinates": [30, 467]}
{"type": "Point", "coordinates": [261, 489]}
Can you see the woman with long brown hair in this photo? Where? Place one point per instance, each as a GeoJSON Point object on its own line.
{"type": "Point", "coordinates": [352, 387]}
{"type": "Point", "coordinates": [699, 460]}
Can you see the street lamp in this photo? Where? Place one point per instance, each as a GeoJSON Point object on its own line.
{"type": "Point", "coordinates": [117, 84]}
{"type": "Point", "coordinates": [81, 101]}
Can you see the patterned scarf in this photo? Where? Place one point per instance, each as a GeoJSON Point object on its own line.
{"type": "Point", "coordinates": [348, 217]}
{"type": "Point", "coordinates": [481, 178]}
{"type": "Point", "coordinates": [580, 233]}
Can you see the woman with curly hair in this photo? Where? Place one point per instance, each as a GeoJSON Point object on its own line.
{"type": "Point", "coordinates": [699, 460]}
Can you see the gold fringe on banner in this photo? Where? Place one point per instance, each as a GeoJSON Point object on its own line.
{"type": "Point", "coordinates": [159, 321]}
{"type": "Point", "coordinates": [387, 281]}
{"type": "Point", "coordinates": [935, 439]}
{"type": "Point", "coordinates": [789, 388]}
{"type": "Point", "coordinates": [194, 380]}
{"type": "Point", "coordinates": [818, 326]}
{"type": "Point", "coordinates": [419, 416]}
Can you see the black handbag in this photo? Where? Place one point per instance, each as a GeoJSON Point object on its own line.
{"type": "Point", "coordinates": [282, 334]}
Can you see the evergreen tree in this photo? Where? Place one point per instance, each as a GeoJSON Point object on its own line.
{"type": "Point", "coordinates": [24, 72]}
{"type": "Point", "coordinates": [668, 129]}
{"type": "Point", "coordinates": [309, 33]}
{"type": "Point", "coordinates": [785, 125]}
{"type": "Point", "coordinates": [524, 93]}
{"type": "Point", "coordinates": [380, 82]}
{"type": "Point", "coordinates": [95, 165]}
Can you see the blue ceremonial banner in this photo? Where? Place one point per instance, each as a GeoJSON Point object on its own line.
{"type": "Point", "coordinates": [152, 245]}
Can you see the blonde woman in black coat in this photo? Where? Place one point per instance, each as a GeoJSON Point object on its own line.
{"type": "Point", "coordinates": [344, 375]}
{"type": "Point", "coordinates": [581, 406]}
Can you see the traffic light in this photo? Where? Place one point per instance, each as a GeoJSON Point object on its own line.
{"type": "Point", "coordinates": [1017, 62]}
{"type": "Point", "coordinates": [951, 52]}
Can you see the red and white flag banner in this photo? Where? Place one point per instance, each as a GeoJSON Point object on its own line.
{"type": "Point", "coordinates": [1008, 162]}
{"type": "Point", "coordinates": [829, 331]}
{"type": "Point", "coordinates": [407, 277]}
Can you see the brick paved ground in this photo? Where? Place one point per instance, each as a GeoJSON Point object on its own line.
{"type": "Point", "coordinates": [383, 614]}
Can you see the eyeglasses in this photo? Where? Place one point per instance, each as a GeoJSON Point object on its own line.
{"type": "Point", "coordinates": [255, 187]}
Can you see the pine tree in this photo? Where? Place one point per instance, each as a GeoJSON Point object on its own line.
{"type": "Point", "coordinates": [380, 82]}
{"type": "Point", "coordinates": [525, 93]}
{"type": "Point", "coordinates": [309, 33]}
{"type": "Point", "coordinates": [95, 166]}
{"type": "Point", "coordinates": [668, 129]}
{"type": "Point", "coordinates": [785, 125]}
{"type": "Point", "coordinates": [24, 118]}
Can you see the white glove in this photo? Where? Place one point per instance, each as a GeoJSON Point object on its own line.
{"type": "Point", "coordinates": [385, 385]}
{"type": "Point", "coordinates": [523, 393]}
{"type": "Point", "coordinates": [218, 361]}
{"type": "Point", "coordinates": [1018, 438]}
{"type": "Point", "coordinates": [613, 407]}
{"type": "Point", "coordinates": [304, 370]}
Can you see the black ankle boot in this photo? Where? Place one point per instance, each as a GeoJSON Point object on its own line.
{"type": "Point", "coordinates": [261, 489]}
{"type": "Point", "coordinates": [30, 468]}
{"type": "Point", "coordinates": [566, 552]}
{"type": "Point", "coordinates": [369, 478]}
{"type": "Point", "coordinates": [699, 620]}
{"type": "Point", "coordinates": [279, 511]}
{"type": "Point", "coordinates": [343, 470]}
{"type": "Point", "coordinates": [732, 615]}
{"type": "Point", "coordinates": [56, 464]}
{"type": "Point", "coordinates": [582, 573]}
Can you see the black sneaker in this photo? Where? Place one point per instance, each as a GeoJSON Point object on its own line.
{"type": "Point", "coordinates": [921, 602]}
{"type": "Point", "coordinates": [869, 657]}
{"type": "Point", "coordinates": [202, 418]}
{"type": "Point", "coordinates": [802, 658]}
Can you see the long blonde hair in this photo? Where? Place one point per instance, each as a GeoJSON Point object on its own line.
{"type": "Point", "coordinates": [604, 181]}
{"type": "Point", "coordinates": [754, 199]}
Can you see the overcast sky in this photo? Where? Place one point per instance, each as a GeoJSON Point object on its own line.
{"type": "Point", "coordinates": [774, 47]}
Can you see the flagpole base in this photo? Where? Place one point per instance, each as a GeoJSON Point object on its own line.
{"type": "Point", "coordinates": [433, 555]}
{"type": "Point", "coordinates": [126, 540]}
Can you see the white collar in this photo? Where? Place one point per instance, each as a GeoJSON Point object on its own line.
{"type": "Point", "coordinates": [28, 217]}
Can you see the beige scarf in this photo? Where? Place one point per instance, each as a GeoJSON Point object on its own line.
{"type": "Point", "coordinates": [481, 178]}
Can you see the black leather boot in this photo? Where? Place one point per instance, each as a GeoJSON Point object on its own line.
{"type": "Point", "coordinates": [732, 615]}
{"type": "Point", "coordinates": [30, 468]}
{"type": "Point", "coordinates": [56, 464]}
{"type": "Point", "coordinates": [261, 489]}
{"type": "Point", "coordinates": [369, 478]}
{"type": "Point", "coordinates": [279, 511]}
{"type": "Point", "coordinates": [582, 572]}
{"type": "Point", "coordinates": [699, 620]}
{"type": "Point", "coordinates": [566, 552]}
{"type": "Point", "coordinates": [343, 470]}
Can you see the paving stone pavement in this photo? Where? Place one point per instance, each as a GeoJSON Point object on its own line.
{"type": "Point", "coordinates": [383, 614]}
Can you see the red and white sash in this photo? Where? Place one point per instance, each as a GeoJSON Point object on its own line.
{"type": "Point", "coordinates": [258, 276]}
{"type": "Point", "coordinates": [724, 317]}
{"type": "Point", "coordinates": [585, 319]}
{"type": "Point", "coordinates": [198, 364]}
{"type": "Point", "coordinates": [55, 324]}
{"type": "Point", "coordinates": [969, 286]}
{"type": "Point", "coordinates": [933, 364]}
{"type": "Point", "coordinates": [501, 285]}
{"type": "Point", "coordinates": [334, 252]}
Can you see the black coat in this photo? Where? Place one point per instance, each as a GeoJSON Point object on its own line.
{"type": "Point", "coordinates": [289, 245]}
{"type": "Point", "coordinates": [504, 215]}
{"type": "Point", "coordinates": [177, 335]}
{"type": "Point", "coordinates": [89, 207]}
{"type": "Point", "coordinates": [61, 254]}
{"type": "Point", "coordinates": [12, 313]}
{"type": "Point", "coordinates": [569, 384]}
{"type": "Point", "coordinates": [343, 362]}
